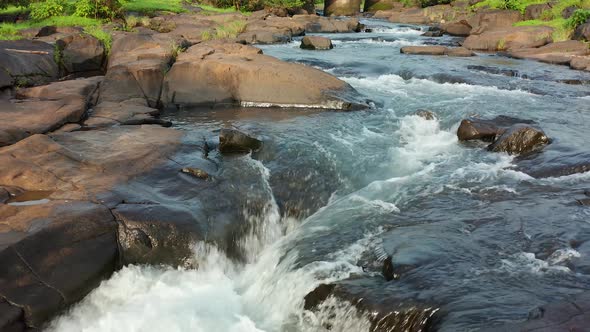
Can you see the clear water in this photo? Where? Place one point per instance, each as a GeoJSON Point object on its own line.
{"type": "Point", "coordinates": [485, 242]}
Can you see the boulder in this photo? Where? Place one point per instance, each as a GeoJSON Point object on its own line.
{"type": "Point", "coordinates": [486, 130]}
{"type": "Point", "coordinates": [520, 139]}
{"type": "Point", "coordinates": [568, 11]}
{"type": "Point", "coordinates": [433, 33]}
{"type": "Point", "coordinates": [580, 63]}
{"type": "Point", "coordinates": [557, 53]}
{"type": "Point", "coordinates": [461, 28]}
{"type": "Point", "coordinates": [342, 7]}
{"type": "Point", "coordinates": [493, 20]}
{"type": "Point", "coordinates": [436, 50]}
{"type": "Point", "coordinates": [43, 109]}
{"type": "Point", "coordinates": [27, 63]}
{"type": "Point", "coordinates": [80, 53]}
{"type": "Point", "coordinates": [424, 50]}
{"type": "Point", "coordinates": [200, 76]}
{"type": "Point", "coordinates": [316, 43]}
{"type": "Point", "coordinates": [81, 164]}
{"type": "Point", "coordinates": [510, 38]}
{"type": "Point", "coordinates": [49, 256]}
{"type": "Point", "coordinates": [570, 314]}
{"type": "Point", "coordinates": [535, 12]}
{"type": "Point", "coordinates": [384, 314]}
{"type": "Point", "coordinates": [555, 165]}
{"type": "Point", "coordinates": [319, 24]}
{"type": "Point", "coordinates": [411, 16]}
{"type": "Point", "coordinates": [582, 32]}
{"type": "Point", "coordinates": [426, 114]}
{"type": "Point", "coordinates": [234, 141]}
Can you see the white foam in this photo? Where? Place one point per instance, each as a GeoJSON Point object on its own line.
{"type": "Point", "coordinates": [396, 43]}
{"type": "Point", "coordinates": [391, 83]}
{"type": "Point", "coordinates": [526, 262]}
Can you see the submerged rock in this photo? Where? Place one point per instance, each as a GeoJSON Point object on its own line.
{"type": "Point", "coordinates": [196, 172]}
{"type": "Point", "coordinates": [486, 130]}
{"type": "Point", "coordinates": [519, 139]}
{"type": "Point", "coordinates": [426, 114]}
{"type": "Point", "coordinates": [384, 314]}
{"type": "Point", "coordinates": [316, 43]}
{"type": "Point", "coordinates": [234, 141]}
{"type": "Point", "coordinates": [436, 50]}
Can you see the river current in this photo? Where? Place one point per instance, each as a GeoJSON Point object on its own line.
{"type": "Point", "coordinates": [471, 233]}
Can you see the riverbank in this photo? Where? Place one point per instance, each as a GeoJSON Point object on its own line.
{"type": "Point", "coordinates": [104, 167]}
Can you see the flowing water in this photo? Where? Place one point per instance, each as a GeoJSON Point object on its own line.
{"type": "Point", "coordinates": [472, 234]}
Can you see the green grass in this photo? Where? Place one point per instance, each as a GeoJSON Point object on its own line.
{"type": "Point", "coordinates": [212, 9]}
{"type": "Point", "coordinates": [105, 37]}
{"type": "Point", "coordinates": [225, 31]}
{"type": "Point", "coordinates": [148, 7]}
{"type": "Point", "coordinates": [560, 30]}
{"type": "Point", "coordinates": [10, 31]}
{"type": "Point", "coordinates": [13, 10]}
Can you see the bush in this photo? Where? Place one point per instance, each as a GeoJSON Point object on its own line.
{"type": "Point", "coordinates": [47, 9]}
{"type": "Point", "coordinates": [579, 17]}
{"type": "Point", "coordinates": [15, 3]}
{"type": "Point", "coordinates": [98, 8]}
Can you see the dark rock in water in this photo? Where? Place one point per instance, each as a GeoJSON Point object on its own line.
{"type": "Point", "coordinates": [486, 130]}
{"type": "Point", "coordinates": [385, 314]}
{"type": "Point", "coordinates": [584, 201]}
{"type": "Point", "coordinates": [196, 172]}
{"type": "Point", "coordinates": [157, 234]}
{"type": "Point", "coordinates": [436, 33]}
{"type": "Point", "coordinates": [368, 30]}
{"type": "Point", "coordinates": [234, 141]}
{"type": "Point", "coordinates": [519, 139]}
{"type": "Point", "coordinates": [316, 43]}
{"type": "Point", "coordinates": [392, 271]}
{"type": "Point", "coordinates": [569, 315]}
{"type": "Point", "coordinates": [559, 165]}
{"type": "Point", "coordinates": [426, 114]}
{"type": "Point", "coordinates": [497, 71]}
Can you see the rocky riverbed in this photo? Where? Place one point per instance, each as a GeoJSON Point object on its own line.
{"type": "Point", "coordinates": [368, 185]}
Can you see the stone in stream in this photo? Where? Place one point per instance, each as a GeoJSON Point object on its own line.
{"type": "Point", "coordinates": [556, 53]}
{"type": "Point", "coordinates": [461, 28]}
{"type": "Point", "coordinates": [437, 50]}
{"type": "Point", "coordinates": [520, 139]}
{"type": "Point", "coordinates": [580, 63]}
{"type": "Point", "coordinates": [433, 33]}
{"type": "Point", "coordinates": [200, 76]}
{"type": "Point", "coordinates": [384, 314]}
{"type": "Point", "coordinates": [556, 164]}
{"type": "Point", "coordinates": [316, 43]}
{"type": "Point", "coordinates": [234, 141]}
{"type": "Point", "coordinates": [486, 130]}
{"type": "Point", "coordinates": [426, 114]}
{"type": "Point", "coordinates": [196, 172]}
{"type": "Point", "coordinates": [509, 38]}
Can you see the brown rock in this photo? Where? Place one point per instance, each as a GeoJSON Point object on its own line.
{"type": "Point", "coordinates": [47, 109]}
{"type": "Point", "coordinates": [580, 63]}
{"type": "Point", "coordinates": [424, 50]}
{"type": "Point", "coordinates": [459, 52]}
{"type": "Point", "coordinates": [200, 76]}
{"type": "Point", "coordinates": [316, 43]}
{"type": "Point", "coordinates": [493, 20]}
{"type": "Point", "coordinates": [234, 141]}
{"type": "Point", "coordinates": [341, 7]}
{"type": "Point", "coordinates": [534, 12]}
{"type": "Point", "coordinates": [582, 32]}
{"type": "Point", "coordinates": [426, 114]}
{"type": "Point", "coordinates": [461, 28]}
{"type": "Point", "coordinates": [509, 38]}
{"type": "Point", "coordinates": [486, 130]}
{"type": "Point", "coordinates": [557, 53]}
{"type": "Point", "coordinates": [319, 24]}
{"type": "Point", "coordinates": [519, 139]}
{"type": "Point", "coordinates": [372, 6]}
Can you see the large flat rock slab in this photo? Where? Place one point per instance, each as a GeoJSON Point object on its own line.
{"type": "Point", "coordinates": [229, 73]}
{"type": "Point", "coordinates": [44, 109]}
{"type": "Point", "coordinates": [509, 38]}
{"type": "Point", "coordinates": [557, 53]}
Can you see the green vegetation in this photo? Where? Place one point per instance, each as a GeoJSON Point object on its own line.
{"type": "Point", "coordinates": [226, 30]}
{"type": "Point", "coordinates": [13, 10]}
{"type": "Point", "coordinates": [10, 31]}
{"type": "Point", "coordinates": [149, 7]}
{"type": "Point", "coordinates": [560, 30]}
{"type": "Point", "coordinates": [105, 37]}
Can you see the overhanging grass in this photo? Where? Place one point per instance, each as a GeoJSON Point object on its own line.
{"type": "Point", "coordinates": [150, 6]}
{"type": "Point", "coordinates": [208, 8]}
{"type": "Point", "coordinates": [13, 10]}
{"type": "Point", "coordinates": [9, 31]}
{"type": "Point", "coordinates": [560, 30]}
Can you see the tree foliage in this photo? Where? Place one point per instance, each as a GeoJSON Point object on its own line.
{"type": "Point", "coordinates": [98, 8]}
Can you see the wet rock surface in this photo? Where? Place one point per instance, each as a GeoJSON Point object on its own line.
{"type": "Point", "coordinates": [519, 139]}
{"type": "Point", "coordinates": [316, 43]}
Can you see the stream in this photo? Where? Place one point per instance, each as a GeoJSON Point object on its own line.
{"type": "Point", "coordinates": [469, 232]}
